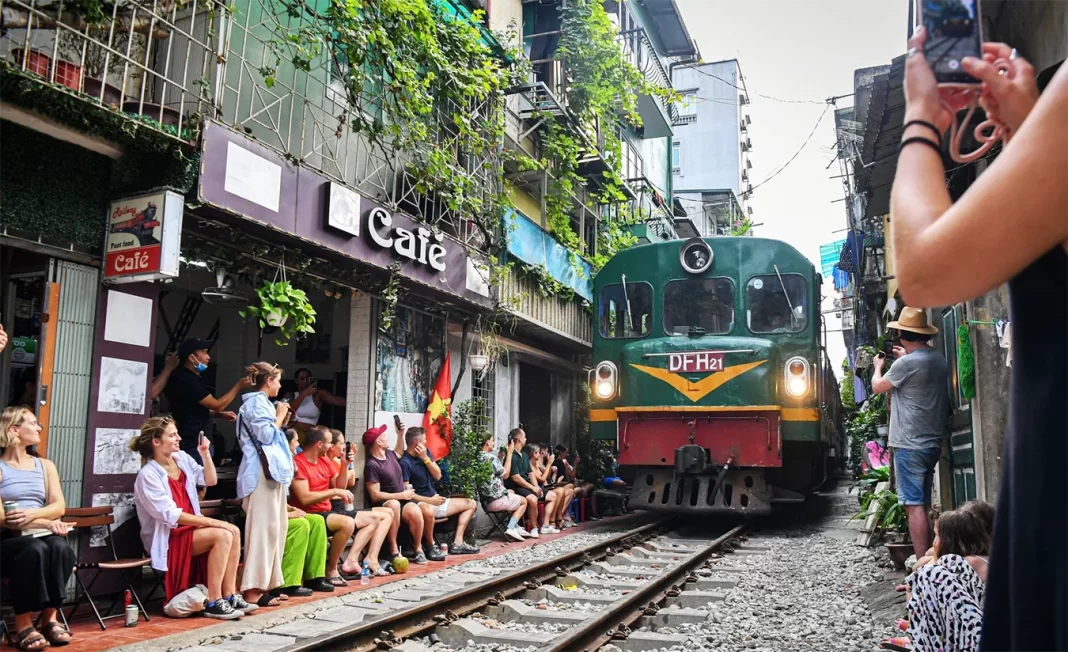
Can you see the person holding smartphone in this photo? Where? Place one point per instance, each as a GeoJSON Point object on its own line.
{"type": "Point", "coordinates": [309, 400]}
{"type": "Point", "coordinates": [1009, 227]}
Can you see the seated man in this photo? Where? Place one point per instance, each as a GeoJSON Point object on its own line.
{"type": "Point", "coordinates": [384, 480]}
{"type": "Point", "coordinates": [521, 479]}
{"type": "Point", "coordinates": [315, 484]}
{"type": "Point", "coordinates": [499, 499]}
{"type": "Point", "coordinates": [420, 469]}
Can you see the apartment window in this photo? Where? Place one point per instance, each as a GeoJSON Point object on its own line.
{"type": "Point", "coordinates": [688, 107]}
{"type": "Point", "coordinates": [676, 157]}
{"type": "Point", "coordinates": [482, 384]}
{"type": "Point", "coordinates": [633, 166]}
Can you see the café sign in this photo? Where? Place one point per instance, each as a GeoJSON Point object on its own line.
{"type": "Point", "coordinates": [345, 213]}
{"type": "Point", "coordinates": [144, 238]}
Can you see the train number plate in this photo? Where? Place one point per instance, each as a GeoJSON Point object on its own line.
{"type": "Point", "coordinates": [696, 361]}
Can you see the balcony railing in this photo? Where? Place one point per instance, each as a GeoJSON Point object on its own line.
{"type": "Point", "coordinates": [639, 49]}
{"type": "Point", "coordinates": [157, 61]}
{"type": "Point", "coordinates": [520, 291]}
{"type": "Point", "coordinates": [168, 63]}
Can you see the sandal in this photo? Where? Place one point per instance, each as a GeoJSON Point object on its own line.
{"type": "Point", "coordinates": [898, 643]}
{"type": "Point", "coordinates": [53, 631]}
{"type": "Point", "coordinates": [380, 572]}
{"type": "Point", "coordinates": [337, 581]}
{"type": "Point", "coordinates": [26, 639]}
{"type": "Point", "coordinates": [269, 600]}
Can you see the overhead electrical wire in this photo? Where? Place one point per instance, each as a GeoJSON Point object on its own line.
{"type": "Point", "coordinates": [740, 88]}
{"type": "Point", "coordinates": [791, 160]}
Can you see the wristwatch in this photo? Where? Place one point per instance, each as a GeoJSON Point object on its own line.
{"type": "Point", "coordinates": [426, 460]}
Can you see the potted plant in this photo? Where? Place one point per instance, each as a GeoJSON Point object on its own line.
{"type": "Point", "coordinates": [284, 307]}
{"type": "Point", "coordinates": [895, 527]}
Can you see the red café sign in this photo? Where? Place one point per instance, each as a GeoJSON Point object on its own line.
{"type": "Point", "coordinates": [144, 238]}
{"type": "Point", "coordinates": [695, 362]}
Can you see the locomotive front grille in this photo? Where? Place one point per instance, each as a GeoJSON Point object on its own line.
{"type": "Point", "coordinates": [736, 491]}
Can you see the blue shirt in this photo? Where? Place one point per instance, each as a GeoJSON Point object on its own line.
{"type": "Point", "coordinates": [257, 417]}
{"type": "Point", "coordinates": [413, 470]}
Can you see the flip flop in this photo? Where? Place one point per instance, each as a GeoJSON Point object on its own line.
{"type": "Point", "coordinates": [337, 581]}
{"type": "Point", "coordinates": [266, 599]}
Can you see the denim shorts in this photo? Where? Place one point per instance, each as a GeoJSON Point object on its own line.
{"type": "Point", "coordinates": [914, 470]}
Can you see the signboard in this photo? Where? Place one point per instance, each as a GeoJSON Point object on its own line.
{"type": "Point", "coordinates": [23, 351]}
{"type": "Point", "coordinates": [695, 362]}
{"type": "Point", "coordinates": [144, 237]}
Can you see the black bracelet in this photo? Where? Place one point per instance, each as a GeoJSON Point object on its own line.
{"type": "Point", "coordinates": [924, 123]}
{"type": "Point", "coordinates": [920, 139]}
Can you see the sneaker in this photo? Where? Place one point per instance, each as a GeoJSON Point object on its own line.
{"type": "Point", "coordinates": [533, 533]}
{"type": "Point", "coordinates": [548, 529]}
{"type": "Point", "coordinates": [463, 549]}
{"type": "Point", "coordinates": [435, 553]}
{"type": "Point", "coordinates": [420, 558]}
{"type": "Point", "coordinates": [569, 524]}
{"type": "Point", "coordinates": [221, 610]}
{"type": "Point", "coordinates": [238, 602]}
{"type": "Point", "coordinates": [516, 533]}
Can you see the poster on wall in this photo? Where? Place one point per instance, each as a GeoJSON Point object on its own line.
{"type": "Point", "coordinates": [123, 384]}
{"type": "Point", "coordinates": [144, 238]}
{"type": "Point", "coordinates": [403, 382]}
{"type": "Point", "coordinates": [113, 455]}
{"type": "Point", "coordinates": [124, 510]}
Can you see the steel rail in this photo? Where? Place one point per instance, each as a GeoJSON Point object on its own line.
{"type": "Point", "coordinates": [592, 634]}
{"type": "Point", "coordinates": [422, 616]}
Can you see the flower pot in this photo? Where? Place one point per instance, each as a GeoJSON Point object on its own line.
{"type": "Point", "coordinates": [882, 430]}
{"type": "Point", "coordinates": [154, 111]}
{"type": "Point", "coordinates": [899, 552]}
{"type": "Point", "coordinates": [276, 318]}
{"type": "Point", "coordinates": [33, 61]}
{"type": "Point", "coordinates": [68, 74]}
{"type": "Point", "coordinates": [111, 95]}
{"type": "Point", "coordinates": [478, 362]}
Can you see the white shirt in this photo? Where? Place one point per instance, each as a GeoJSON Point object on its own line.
{"type": "Point", "coordinates": [157, 511]}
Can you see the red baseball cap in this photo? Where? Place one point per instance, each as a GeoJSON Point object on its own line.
{"type": "Point", "coordinates": [372, 434]}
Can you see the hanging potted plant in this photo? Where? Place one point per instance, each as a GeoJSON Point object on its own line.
{"type": "Point", "coordinates": [284, 307]}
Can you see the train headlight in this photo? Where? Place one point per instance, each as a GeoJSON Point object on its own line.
{"type": "Point", "coordinates": [695, 256]}
{"type": "Point", "coordinates": [605, 380]}
{"type": "Point", "coordinates": [796, 380]}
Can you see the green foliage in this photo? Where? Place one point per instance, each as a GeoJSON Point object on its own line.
{"type": "Point", "coordinates": [283, 306]}
{"type": "Point", "coordinates": [468, 471]}
{"type": "Point", "coordinates": [866, 483]}
{"type": "Point", "coordinates": [861, 428]}
{"type": "Point", "coordinates": [890, 513]}
{"type": "Point", "coordinates": [390, 296]}
{"type": "Point", "coordinates": [849, 398]}
{"type": "Point", "coordinates": [965, 362]}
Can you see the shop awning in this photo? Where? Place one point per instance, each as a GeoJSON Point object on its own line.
{"type": "Point", "coordinates": [530, 244]}
{"type": "Point", "coordinates": [829, 255]}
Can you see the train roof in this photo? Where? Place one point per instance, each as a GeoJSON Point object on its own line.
{"type": "Point", "coordinates": [730, 255]}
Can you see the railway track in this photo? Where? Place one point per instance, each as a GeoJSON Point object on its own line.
{"type": "Point", "coordinates": [619, 590]}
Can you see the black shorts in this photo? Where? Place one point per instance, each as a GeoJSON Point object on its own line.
{"type": "Point", "coordinates": [521, 491]}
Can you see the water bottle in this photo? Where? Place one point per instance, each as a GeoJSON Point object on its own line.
{"type": "Point", "coordinates": [365, 574]}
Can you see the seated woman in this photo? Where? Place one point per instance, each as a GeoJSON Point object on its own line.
{"type": "Point", "coordinates": [304, 560]}
{"type": "Point", "coordinates": [36, 557]}
{"type": "Point", "coordinates": [495, 498]}
{"type": "Point", "coordinates": [985, 512]}
{"type": "Point", "coordinates": [946, 596]}
{"type": "Point", "coordinates": [190, 548]}
{"type": "Point", "coordinates": [541, 465]}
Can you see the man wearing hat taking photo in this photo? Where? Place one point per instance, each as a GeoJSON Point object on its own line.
{"type": "Point", "coordinates": [191, 401]}
{"type": "Point", "coordinates": [919, 405]}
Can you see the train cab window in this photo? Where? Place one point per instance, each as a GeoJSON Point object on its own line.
{"type": "Point", "coordinates": [699, 303]}
{"type": "Point", "coordinates": [626, 310]}
{"type": "Point", "coordinates": [777, 304]}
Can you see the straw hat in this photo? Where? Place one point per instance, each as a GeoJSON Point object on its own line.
{"type": "Point", "coordinates": [915, 320]}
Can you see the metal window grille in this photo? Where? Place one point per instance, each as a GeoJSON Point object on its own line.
{"type": "Point", "coordinates": [482, 384]}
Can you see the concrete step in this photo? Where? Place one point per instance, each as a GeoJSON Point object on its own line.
{"type": "Point", "coordinates": [255, 642]}
{"type": "Point", "coordinates": [557, 594]}
{"type": "Point", "coordinates": [695, 599]}
{"type": "Point", "coordinates": [361, 600]}
{"type": "Point", "coordinates": [457, 635]}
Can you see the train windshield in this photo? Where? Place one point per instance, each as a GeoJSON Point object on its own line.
{"type": "Point", "coordinates": [626, 310]}
{"type": "Point", "coordinates": [777, 303]}
{"type": "Point", "coordinates": [699, 303]}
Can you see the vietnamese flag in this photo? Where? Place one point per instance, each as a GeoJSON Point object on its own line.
{"type": "Point", "coordinates": [438, 418]}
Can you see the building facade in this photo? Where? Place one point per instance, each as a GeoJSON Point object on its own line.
{"type": "Point", "coordinates": [711, 149]}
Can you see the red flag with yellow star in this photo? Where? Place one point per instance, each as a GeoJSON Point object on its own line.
{"type": "Point", "coordinates": [438, 418]}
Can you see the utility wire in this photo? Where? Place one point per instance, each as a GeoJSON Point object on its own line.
{"type": "Point", "coordinates": [767, 97]}
{"type": "Point", "coordinates": [787, 163]}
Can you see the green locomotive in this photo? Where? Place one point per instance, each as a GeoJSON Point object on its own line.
{"type": "Point", "coordinates": [711, 376]}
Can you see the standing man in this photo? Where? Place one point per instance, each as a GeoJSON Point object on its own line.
{"type": "Point", "coordinates": [918, 381]}
{"type": "Point", "coordinates": [521, 479]}
{"type": "Point", "coordinates": [384, 480]}
{"type": "Point", "coordinates": [192, 403]}
{"type": "Point", "coordinates": [420, 469]}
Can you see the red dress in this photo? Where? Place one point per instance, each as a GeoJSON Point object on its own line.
{"type": "Point", "coordinates": [183, 569]}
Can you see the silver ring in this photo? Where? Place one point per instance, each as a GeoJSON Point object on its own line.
{"type": "Point", "coordinates": [1012, 55]}
{"type": "Point", "coordinates": [910, 53]}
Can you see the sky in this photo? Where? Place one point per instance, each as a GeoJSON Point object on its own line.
{"type": "Point", "coordinates": [794, 50]}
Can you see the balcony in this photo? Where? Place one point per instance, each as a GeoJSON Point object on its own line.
{"type": "Point", "coordinates": [166, 65]}
{"type": "Point", "coordinates": [657, 115]}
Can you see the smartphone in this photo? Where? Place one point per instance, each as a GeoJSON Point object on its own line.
{"type": "Point", "coordinates": [954, 31]}
{"type": "Point", "coordinates": [313, 382]}
{"type": "Point", "coordinates": [397, 421]}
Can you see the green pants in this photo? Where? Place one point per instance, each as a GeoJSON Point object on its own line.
{"type": "Point", "coordinates": [305, 554]}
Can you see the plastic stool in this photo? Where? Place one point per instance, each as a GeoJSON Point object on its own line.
{"type": "Point", "coordinates": [541, 514]}
{"type": "Point", "coordinates": [573, 510]}
{"type": "Point", "coordinates": [584, 507]}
